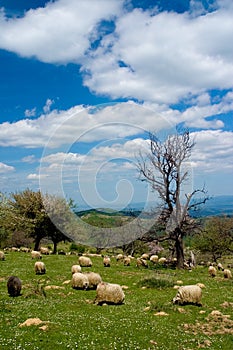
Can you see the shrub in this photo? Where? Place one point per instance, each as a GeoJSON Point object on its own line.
{"type": "Point", "coordinates": [156, 282]}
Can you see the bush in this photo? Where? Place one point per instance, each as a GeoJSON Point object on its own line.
{"type": "Point", "coordinates": [156, 282]}
{"type": "Point", "coordinates": [79, 248]}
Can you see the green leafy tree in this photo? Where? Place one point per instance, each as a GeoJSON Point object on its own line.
{"type": "Point", "coordinates": [4, 219]}
{"type": "Point", "coordinates": [216, 237]}
{"type": "Point", "coordinates": [28, 213]}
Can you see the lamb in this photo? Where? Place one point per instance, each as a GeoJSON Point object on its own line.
{"type": "Point", "coordinates": [76, 268]}
{"type": "Point", "coordinates": [93, 279]}
{"type": "Point", "coordinates": [227, 273]}
{"type": "Point", "coordinates": [154, 259]}
{"type": "Point", "coordinates": [14, 286]}
{"type": "Point", "coordinates": [79, 281]}
{"type": "Point", "coordinates": [35, 254]}
{"type": "Point", "coordinates": [212, 271]}
{"type": "Point", "coordinates": [190, 294]}
{"type": "Point", "coordinates": [106, 261]}
{"type": "Point", "coordinates": [39, 268]}
{"type": "Point", "coordinates": [109, 293]}
{"type": "Point", "coordinates": [2, 256]}
{"type": "Point", "coordinates": [85, 261]}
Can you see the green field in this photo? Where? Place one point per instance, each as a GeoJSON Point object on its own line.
{"type": "Point", "coordinates": [72, 321]}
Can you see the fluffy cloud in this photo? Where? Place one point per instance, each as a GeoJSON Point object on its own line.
{"type": "Point", "coordinates": [212, 152]}
{"type": "Point", "coordinates": [151, 56]}
{"type": "Point", "coordinates": [77, 124]}
{"type": "Point", "coordinates": [4, 168]}
{"type": "Point", "coordinates": [58, 33]}
{"type": "Point", "coordinates": [163, 57]}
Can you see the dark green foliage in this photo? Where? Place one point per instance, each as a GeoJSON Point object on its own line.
{"type": "Point", "coordinates": [156, 281]}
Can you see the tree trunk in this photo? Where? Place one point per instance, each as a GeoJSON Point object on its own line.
{"type": "Point", "coordinates": [179, 251]}
{"type": "Point", "coordinates": [37, 243]}
{"type": "Point", "coordinates": [54, 247]}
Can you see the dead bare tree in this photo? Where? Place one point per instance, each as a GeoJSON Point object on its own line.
{"type": "Point", "coordinates": [164, 168]}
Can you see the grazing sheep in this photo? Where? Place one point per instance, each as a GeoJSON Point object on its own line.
{"type": "Point", "coordinates": [106, 261]}
{"type": "Point", "coordinates": [79, 281]}
{"type": "Point", "coordinates": [35, 254]}
{"type": "Point", "coordinates": [85, 261]}
{"type": "Point", "coordinates": [119, 257]}
{"type": "Point", "coordinates": [154, 259]}
{"type": "Point", "coordinates": [109, 293]}
{"type": "Point", "coordinates": [2, 256]}
{"type": "Point", "coordinates": [24, 249]}
{"type": "Point", "coordinates": [76, 268]}
{"type": "Point", "coordinates": [188, 295]}
{"type": "Point", "coordinates": [39, 268]}
{"type": "Point", "coordinates": [93, 279]}
{"type": "Point", "coordinates": [220, 267]}
{"type": "Point", "coordinates": [44, 250]}
{"type": "Point", "coordinates": [212, 271]}
{"type": "Point", "coordinates": [141, 262]}
{"type": "Point", "coordinates": [14, 286]}
{"type": "Point", "coordinates": [127, 261]}
{"type": "Point", "coordinates": [145, 256]}
{"type": "Point", "coordinates": [162, 261]}
{"type": "Point", "coordinates": [227, 273]}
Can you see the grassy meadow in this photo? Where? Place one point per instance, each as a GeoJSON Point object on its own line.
{"type": "Point", "coordinates": [146, 320]}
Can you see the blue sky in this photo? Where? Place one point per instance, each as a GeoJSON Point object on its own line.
{"type": "Point", "coordinates": [83, 82]}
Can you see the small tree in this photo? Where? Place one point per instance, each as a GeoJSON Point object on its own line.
{"type": "Point", "coordinates": [164, 169]}
{"type": "Point", "coordinates": [28, 213]}
{"type": "Point", "coordinates": [216, 237]}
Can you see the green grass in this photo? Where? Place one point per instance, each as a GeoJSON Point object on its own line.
{"type": "Point", "coordinates": [76, 323]}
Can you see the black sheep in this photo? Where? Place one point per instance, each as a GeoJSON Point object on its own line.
{"type": "Point", "coordinates": [14, 286]}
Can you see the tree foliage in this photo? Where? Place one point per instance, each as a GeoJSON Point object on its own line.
{"type": "Point", "coordinates": [216, 237]}
{"type": "Point", "coordinates": [25, 212]}
{"type": "Point", "coordinates": [165, 169]}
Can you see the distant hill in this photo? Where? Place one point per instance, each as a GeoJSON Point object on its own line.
{"type": "Point", "coordinates": [218, 205]}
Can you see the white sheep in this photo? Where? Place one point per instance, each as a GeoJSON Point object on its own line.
{"type": "Point", "coordinates": [127, 261]}
{"type": "Point", "coordinates": [85, 261]}
{"type": "Point", "coordinates": [212, 271]}
{"type": "Point", "coordinates": [14, 286]}
{"type": "Point", "coordinates": [76, 268]}
{"type": "Point", "coordinates": [227, 273]}
{"type": "Point", "coordinates": [162, 261]}
{"type": "Point", "coordinates": [119, 257]}
{"type": "Point", "coordinates": [145, 256]}
{"type": "Point", "coordinates": [93, 279]}
{"type": "Point", "coordinates": [154, 259]}
{"type": "Point", "coordinates": [79, 281]}
{"type": "Point", "coordinates": [220, 267]}
{"type": "Point", "coordinates": [44, 250]}
{"type": "Point", "coordinates": [106, 261]}
{"type": "Point", "coordinates": [39, 268]}
{"type": "Point", "coordinates": [190, 294]}
{"type": "Point", "coordinates": [109, 293]}
{"type": "Point", "coordinates": [2, 256]}
{"type": "Point", "coordinates": [35, 254]}
{"type": "Point", "coordinates": [141, 262]}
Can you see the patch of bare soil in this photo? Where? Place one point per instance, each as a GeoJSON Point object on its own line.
{"type": "Point", "coordinates": [216, 323]}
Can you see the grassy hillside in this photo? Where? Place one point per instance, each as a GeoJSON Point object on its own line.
{"type": "Point", "coordinates": [72, 321]}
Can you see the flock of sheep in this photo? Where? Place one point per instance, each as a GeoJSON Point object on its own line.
{"type": "Point", "coordinates": [110, 293]}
